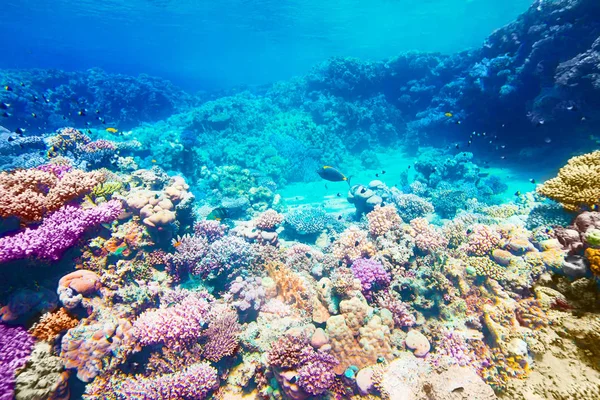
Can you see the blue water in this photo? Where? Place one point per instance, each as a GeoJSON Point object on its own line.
{"type": "Point", "coordinates": [202, 44]}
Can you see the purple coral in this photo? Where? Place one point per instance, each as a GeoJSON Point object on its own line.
{"type": "Point", "coordinates": [315, 368]}
{"type": "Point", "coordinates": [223, 337]}
{"type": "Point", "coordinates": [246, 293]}
{"type": "Point", "coordinates": [57, 233]}
{"type": "Point", "coordinates": [452, 348]}
{"type": "Point", "coordinates": [226, 254]}
{"type": "Point", "coordinates": [15, 348]}
{"type": "Point", "coordinates": [371, 274]}
{"type": "Point", "coordinates": [193, 383]}
{"type": "Point", "coordinates": [317, 375]}
{"type": "Point", "coordinates": [175, 326]}
{"type": "Point", "coordinates": [211, 230]}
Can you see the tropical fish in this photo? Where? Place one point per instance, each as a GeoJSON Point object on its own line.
{"type": "Point", "coordinates": [331, 174]}
{"type": "Point", "coordinates": [7, 88]}
{"type": "Point", "coordinates": [4, 106]}
{"type": "Point", "coordinates": [449, 114]}
{"type": "Point", "coordinates": [218, 214]}
{"type": "Point", "coordinates": [112, 130]}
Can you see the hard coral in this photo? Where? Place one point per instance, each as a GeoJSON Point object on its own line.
{"type": "Point", "coordinates": [51, 325]}
{"type": "Point", "coordinates": [593, 256]}
{"type": "Point", "coordinates": [290, 287]}
{"type": "Point", "coordinates": [372, 275]}
{"type": "Point", "coordinates": [222, 336]}
{"type": "Point", "coordinates": [269, 220]}
{"type": "Point", "coordinates": [194, 382]}
{"type": "Point", "coordinates": [576, 184]}
{"type": "Point", "coordinates": [31, 194]}
{"type": "Point", "coordinates": [15, 348]}
{"type": "Point", "coordinates": [352, 244]}
{"type": "Point", "coordinates": [57, 233]}
{"type": "Point", "coordinates": [383, 219]}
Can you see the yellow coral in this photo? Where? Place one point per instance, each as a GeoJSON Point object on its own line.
{"type": "Point", "coordinates": [593, 256]}
{"type": "Point", "coordinates": [577, 182]}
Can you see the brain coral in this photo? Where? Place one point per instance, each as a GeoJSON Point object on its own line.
{"type": "Point", "coordinates": [577, 182]}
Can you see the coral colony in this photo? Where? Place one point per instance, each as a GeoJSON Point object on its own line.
{"type": "Point", "coordinates": [161, 261]}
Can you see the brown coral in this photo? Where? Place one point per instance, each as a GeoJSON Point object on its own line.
{"type": "Point", "coordinates": [53, 324]}
{"type": "Point", "coordinates": [289, 285]}
{"type": "Point", "coordinates": [30, 194]}
{"type": "Point", "coordinates": [593, 256]}
{"type": "Point", "coordinates": [576, 184]}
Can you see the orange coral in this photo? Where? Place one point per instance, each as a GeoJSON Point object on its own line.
{"type": "Point", "coordinates": [30, 194]}
{"type": "Point", "coordinates": [289, 285]}
{"type": "Point", "coordinates": [53, 324]}
{"type": "Point", "coordinates": [593, 256]}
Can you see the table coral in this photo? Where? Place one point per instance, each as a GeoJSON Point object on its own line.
{"type": "Point", "coordinates": [576, 184]}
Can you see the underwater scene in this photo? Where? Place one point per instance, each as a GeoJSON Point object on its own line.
{"type": "Point", "coordinates": [290, 200]}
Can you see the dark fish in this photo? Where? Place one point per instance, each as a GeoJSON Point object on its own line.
{"type": "Point", "coordinates": [363, 190]}
{"type": "Point", "coordinates": [339, 217]}
{"type": "Point", "coordinates": [294, 379]}
{"type": "Point", "coordinates": [532, 180]}
{"type": "Point", "coordinates": [22, 84]}
{"type": "Point", "coordinates": [456, 146]}
{"type": "Point", "coordinates": [82, 113]}
{"type": "Point", "coordinates": [356, 243]}
{"type": "Point", "coordinates": [331, 174]}
{"type": "Point", "coordinates": [5, 114]}
{"type": "Point", "coordinates": [308, 255]}
{"type": "Point", "coordinates": [4, 106]}
{"type": "Point", "coordinates": [156, 196]}
{"type": "Point", "coordinates": [35, 98]}
{"type": "Point", "coordinates": [34, 115]}
{"type": "Point", "coordinates": [339, 195]}
{"type": "Point", "coordinates": [332, 239]}
{"type": "Point", "coordinates": [217, 214]}
{"type": "Point", "coordinates": [383, 172]}
{"type": "Point", "coordinates": [19, 131]}
{"type": "Point", "coordinates": [517, 193]}
{"type": "Point", "coordinates": [409, 167]}
{"type": "Point", "coordinates": [377, 175]}
{"type": "Point", "coordinates": [469, 231]}
{"type": "Point", "coordinates": [458, 122]}
{"type": "Point", "coordinates": [8, 88]}
{"type": "Point", "coordinates": [11, 138]}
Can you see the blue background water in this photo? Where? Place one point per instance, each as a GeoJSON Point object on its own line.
{"type": "Point", "coordinates": [215, 44]}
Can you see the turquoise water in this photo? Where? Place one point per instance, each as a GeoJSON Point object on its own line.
{"type": "Point", "coordinates": [299, 200]}
{"type": "Point", "coordinates": [201, 44]}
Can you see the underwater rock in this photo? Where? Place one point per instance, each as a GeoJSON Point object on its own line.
{"type": "Point", "coordinates": [418, 343]}
{"type": "Point", "coordinates": [365, 200]}
{"type": "Point", "coordinates": [575, 266]}
{"type": "Point", "coordinates": [364, 380]}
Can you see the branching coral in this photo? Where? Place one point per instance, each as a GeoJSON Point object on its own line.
{"type": "Point", "coordinates": [51, 325]}
{"type": "Point", "coordinates": [290, 287]}
{"type": "Point", "coordinates": [576, 184]}
{"type": "Point", "coordinates": [15, 347]}
{"type": "Point", "coordinates": [57, 233]}
{"type": "Point", "coordinates": [222, 336]}
{"type": "Point", "coordinates": [31, 194]}
{"type": "Point", "coordinates": [175, 326]}
{"type": "Point", "coordinates": [352, 244]}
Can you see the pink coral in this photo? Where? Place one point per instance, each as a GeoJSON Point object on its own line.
{"type": "Point", "coordinates": [269, 220]}
{"type": "Point", "coordinates": [428, 238]}
{"type": "Point", "coordinates": [192, 383]}
{"type": "Point", "coordinates": [383, 219]}
{"type": "Point", "coordinates": [222, 337]}
{"type": "Point", "coordinates": [482, 240]}
{"type": "Point", "coordinates": [72, 287]}
{"type": "Point", "coordinates": [211, 230]}
{"type": "Point", "coordinates": [175, 326]}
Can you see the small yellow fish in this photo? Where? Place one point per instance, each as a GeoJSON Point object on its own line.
{"type": "Point", "coordinates": [448, 114]}
{"type": "Point", "coordinates": [112, 130]}
{"type": "Point", "coordinates": [153, 161]}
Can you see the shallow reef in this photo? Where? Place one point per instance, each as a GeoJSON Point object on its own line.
{"type": "Point", "coordinates": [164, 258]}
